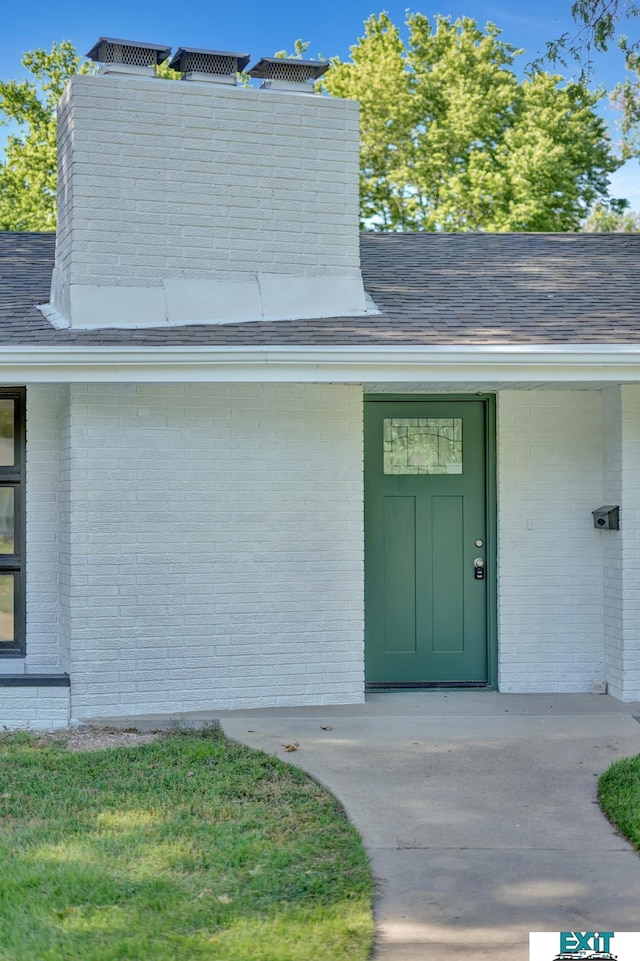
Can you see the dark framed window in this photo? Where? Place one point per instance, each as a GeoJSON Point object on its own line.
{"type": "Point", "coordinates": [12, 525]}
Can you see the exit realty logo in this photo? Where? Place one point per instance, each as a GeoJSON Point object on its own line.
{"type": "Point", "coordinates": [584, 946]}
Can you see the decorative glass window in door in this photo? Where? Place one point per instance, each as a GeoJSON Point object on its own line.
{"type": "Point", "coordinates": [422, 445]}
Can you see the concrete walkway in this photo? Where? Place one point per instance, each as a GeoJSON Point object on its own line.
{"type": "Point", "coordinates": [478, 811]}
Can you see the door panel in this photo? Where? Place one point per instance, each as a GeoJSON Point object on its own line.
{"type": "Point", "coordinates": [400, 574]}
{"type": "Point", "coordinates": [447, 565]}
{"type": "Point", "coordinates": [425, 508]}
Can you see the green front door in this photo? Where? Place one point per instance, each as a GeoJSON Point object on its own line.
{"type": "Point", "coordinates": [426, 542]}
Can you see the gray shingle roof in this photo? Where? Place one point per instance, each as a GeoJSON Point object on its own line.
{"type": "Point", "coordinates": [431, 289]}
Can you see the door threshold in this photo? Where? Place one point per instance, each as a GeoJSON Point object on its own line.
{"type": "Point", "coordinates": [426, 685]}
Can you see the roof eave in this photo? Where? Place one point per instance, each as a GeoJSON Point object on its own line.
{"type": "Point", "coordinates": [456, 364]}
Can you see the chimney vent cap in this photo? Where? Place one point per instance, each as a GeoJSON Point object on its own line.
{"type": "Point", "coordinates": [289, 71]}
{"type": "Point", "coordinates": [220, 62]}
{"type": "Point", "coordinates": [129, 52]}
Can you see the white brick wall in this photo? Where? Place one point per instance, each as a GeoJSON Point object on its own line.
{"type": "Point", "coordinates": [630, 510]}
{"type": "Point", "coordinates": [621, 407]}
{"type": "Point", "coordinates": [612, 555]}
{"type": "Point", "coordinates": [216, 547]}
{"type": "Point", "coordinates": [550, 557]}
{"type": "Point", "coordinates": [162, 180]}
{"type": "Point", "coordinates": [199, 547]}
{"type": "Point", "coordinates": [36, 708]}
{"type": "Point", "coordinates": [45, 403]}
{"type": "Point", "coordinates": [64, 531]}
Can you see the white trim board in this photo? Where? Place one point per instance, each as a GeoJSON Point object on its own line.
{"type": "Point", "coordinates": [595, 364]}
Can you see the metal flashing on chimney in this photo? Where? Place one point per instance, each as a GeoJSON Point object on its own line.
{"type": "Point", "coordinates": [209, 66]}
{"type": "Point", "coordinates": [290, 76]}
{"type": "Point", "coordinates": [128, 56]}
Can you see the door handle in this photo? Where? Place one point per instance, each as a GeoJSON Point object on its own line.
{"type": "Point", "coordinates": [479, 568]}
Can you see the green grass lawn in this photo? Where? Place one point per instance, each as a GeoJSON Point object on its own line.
{"type": "Point", "coordinates": [187, 848]}
{"type": "Point", "coordinates": [619, 796]}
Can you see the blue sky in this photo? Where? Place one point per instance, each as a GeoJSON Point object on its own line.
{"type": "Point", "coordinates": [260, 27]}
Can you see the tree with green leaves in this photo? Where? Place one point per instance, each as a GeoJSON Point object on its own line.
{"type": "Point", "coordinates": [28, 173]}
{"type": "Point", "coordinates": [603, 220]}
{"type": "Point", "coordinates": [300, 48]}
{"type": "Point", "coordinates": [599, 25]}
{"type": "Point", "coordinates": [453, 141]}
{"type": "Point", "coordinates": [626, 96]}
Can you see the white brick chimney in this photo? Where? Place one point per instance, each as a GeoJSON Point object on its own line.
{"type": "Point", "coordinates": [186, 202]}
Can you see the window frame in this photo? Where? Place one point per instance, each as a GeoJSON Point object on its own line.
{"type": "Point", "coordinates": [15, 476]}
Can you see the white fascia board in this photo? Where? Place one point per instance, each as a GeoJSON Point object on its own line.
{"type": "Point", "coordinates": [607, 364]}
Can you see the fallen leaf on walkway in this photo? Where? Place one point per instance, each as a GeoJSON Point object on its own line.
{"type": "Point", "coordinates": [326, 727]}
{"type": "Point", "coordinates": [293, 746]}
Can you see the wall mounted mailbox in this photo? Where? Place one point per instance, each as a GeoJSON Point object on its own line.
{"type": "Point", "coordinates": [607, 518]}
